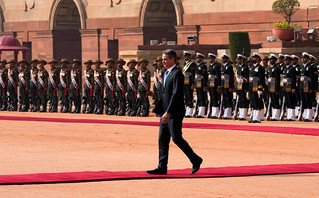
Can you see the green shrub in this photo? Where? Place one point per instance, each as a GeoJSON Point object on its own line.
{"type": "Point", "coordinates": [239, 43]}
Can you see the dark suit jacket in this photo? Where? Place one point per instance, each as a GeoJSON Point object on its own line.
{"type": "Point", "coordinates": [172, 100]}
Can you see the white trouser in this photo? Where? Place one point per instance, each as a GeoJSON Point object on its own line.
{"type": "Point", "coordinates": [243, 113]}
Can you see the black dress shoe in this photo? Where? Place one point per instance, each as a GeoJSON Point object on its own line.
{"type": "Point", "coordinates": [307, 120]}
{"type": "Point", "coordinates": [196, 166]}
{"type": "Point", "coordinates": [241, 119]}
{"type": "Point", "coordinates": [158, 171]}
{"type": "Point", "coordinates": [213, 117]}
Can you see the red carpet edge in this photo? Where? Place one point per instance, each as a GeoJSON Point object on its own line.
{"type": "Point", "coordinates": [236, 171]}
{"type": "Point", "coordinates": [272, 129]}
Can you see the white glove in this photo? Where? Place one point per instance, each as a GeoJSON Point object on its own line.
{"type": "Point", "coordinates": [259, 93]}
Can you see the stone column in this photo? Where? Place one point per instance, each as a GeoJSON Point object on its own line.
{"type": "Point", "coordinates": [90, 44]}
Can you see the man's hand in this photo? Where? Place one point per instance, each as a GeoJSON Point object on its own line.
{"type": "Point", "coordinates": [192, 87]}
{"type": "Point", "coordinates": [205, 89]}
{"type": "Point", "coordinates": [293, 91]}
{"type": "Point", "coordinates": [165, 118]}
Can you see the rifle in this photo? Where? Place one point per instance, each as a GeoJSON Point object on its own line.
{"type": "Point", "coordinates": [84, 104]}
{"type": "Point", "coordinates": [268, 109]}
{"type": "Point", "coordinates": [300, 111]}
{"type": "Point", "coordinates": [209, 109]}
{"type": "Point", "coordinates": [196, 107]}
{"type": "Point", "coordinates": [221, 111]}
{"type": "Point", "coordinates": [236, 108]}
{"type": "Point", "coordinates": [282, 109]}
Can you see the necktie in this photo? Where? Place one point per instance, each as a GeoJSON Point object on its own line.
{"type": "Point", "coordinates": [165, 76]}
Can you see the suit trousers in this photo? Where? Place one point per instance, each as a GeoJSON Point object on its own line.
{"type": "Point", "coordinates": [173, 129]}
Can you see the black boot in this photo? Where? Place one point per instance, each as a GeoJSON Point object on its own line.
{"type": "Point", "coordinates": [44, 108]}
{"type": "Point", "coordinates": [4, 108]}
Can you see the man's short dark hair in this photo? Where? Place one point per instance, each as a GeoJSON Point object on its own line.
{"type": "Point", "coordinates": [171, 54]}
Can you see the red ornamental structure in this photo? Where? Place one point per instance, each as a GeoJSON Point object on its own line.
{"type": "Point", "coordinates": [9, 43]}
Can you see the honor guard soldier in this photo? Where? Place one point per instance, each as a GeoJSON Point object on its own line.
{"type": "Point", "coordinates": [75, 91]}
{"type": "Point", "coordinates": [274, 88]}
{"type": "Point", "coordinates": [306, 88]}
{"type": "Point", "coordinates": [155, 85]}
{"type": "Point", "coordinates": [132, 84]}
{"type": "Point", "coordinates": [256, 88]}
{"type": "Point", "coordinates": [3, 85]}
{"type": "Point", "coordinates": [110, 80]}
{"type": "Point", "coordinates": [121, 84]}
{"type": "Point", "coordinates": [297, 67]}
{"type": "Point", "coordinates": [24, 79]}
{"type": "Point", "coordinates": [99, 84]}
{"type": "Point", "coordinates": [88, 86]}
{"type": "Point", "coordinates": [313, 94]}
{"type": "Point", "coordinates": [201, 84]}
{"type": "Point", "coordinates": [143, 88]}
{"type": "Point", "coordinates": [189, 75]}
{"type": "Point", "coordinates": [158, 80]}
{"type": "Point", "coordinates": [13, 81]}
{"type": "Point", "coordinates": [214, 85]}
{"type": "Point", "coordinates": [289, 88]}
{"type": "Point", "coordinates": [227, 85]}
{"type": "Point", "coordinates": [242, 86]}
{"type": "Point", "coordinates": [64, 85]}
{"type": "Point", "coordinates": [34, 92]}
{"type": "Point", "coordinates": [53, 86]}
{"type": "Point", "coordinates": [281, 66]}
{"type": "Point", "coordinates": [266, 88]}
{"type": "Point", "coordinates": [43, 77]}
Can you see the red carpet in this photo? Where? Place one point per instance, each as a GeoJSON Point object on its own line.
{"type": "Point", "coordinates": [202, 173]}
{"type": "Point", "coordinates": [272, 129]}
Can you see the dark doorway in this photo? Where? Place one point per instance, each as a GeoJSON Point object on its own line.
{"type": "Point", "coordinates": [160, 21]}
{"type": "Point", "coordinates": [66, 34]}
{"type": "Point", "coordinates": [113, 49]}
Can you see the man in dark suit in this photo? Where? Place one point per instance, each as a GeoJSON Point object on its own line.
{"type": "Point", "coordinates": [172, 109]}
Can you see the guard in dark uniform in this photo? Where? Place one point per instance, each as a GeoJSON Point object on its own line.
{"type": "Point", "coordinates": [298, 68]}
{"type": "Point", "coordinates": [155, 84]}
{"type": "Point", "coordinates": [64, 85]}
{"type": "Point", "coordinates": [43, 77]}
{"type": "Point", "coordinates": [121, 84]}
{"type": "Point", "coordinates": [13, 81]}
{"type": "Point", "coordinates": [88, 86]}
{"type": "Point", "coordinates": [76, 85]}
{"type": "Point", "coordinates": [307, 87]}
{"type": "Point", "coordinates": [256, 88]}
{"type": "Point", "coordinates": [24, 79]}
{"type": "Point", "coordinates": [132, 85]}
{"type": "Point", "coordinates": [313, 94]}
{"type": "Point", "coordinates": [266, 88]}
{"type": "Point", "coordinates": [214, 85]}
{"type": "Point", "coordinates": [189, 75]}
{"type": "Point", "coordinates": [99, 84]}
{"type": "Point", "coordinates": [201, 84]}
{"type": "Point", "coordinates": [143, 88]}
{"type": "Point", "coordinates": [290, 88]}
{"type": "Point", "coordinates": [227, 84]}
{"type": "Point", "coordinates": [242, 87]}
{"type": "Point", "coordinates": [281, 66]}
{"type": "Point", "coordinates": [34, 92]}
{"type": "Point", "coordinates": [110, 80]}
{"type": "Point", "coordinates": [158, 79]}
{"type": "Point", "coordinates": [3, 85]}
{"type": "Point", "coordinates": [54, 81]}
{"type": "Point", "coordinates": [274, 88]}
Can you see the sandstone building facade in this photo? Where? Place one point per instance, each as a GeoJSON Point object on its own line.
{"type": "Point", "coordinates": [91, 29]}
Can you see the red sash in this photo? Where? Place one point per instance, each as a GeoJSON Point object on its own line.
{"type": "Point", "coordinates": [97, 80]}
{"type": "Point", "coordinates": [143, 82]}
{"type": "Point", "coordinates": [131, 83]}
{"type": "Point", "coordinates": [119, 83]}
{"type": "Point", "coordinates": [12, 81]}
{"type": "Point", "coordinates": [41, 82]}
{"type": "Point", "coordinates": [87, 82]}
{"type": "Point", "coordinates": [108, 81]}
{"type": "Point", "coordinates": [75, 84]}
{"type": "Point", "coordinates": [52, 82]}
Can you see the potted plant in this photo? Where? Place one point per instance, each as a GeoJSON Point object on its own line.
{"type": "Point", "coordinates": [284, 31]}
{"type": "Point", "coordinates": [286, 8]}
